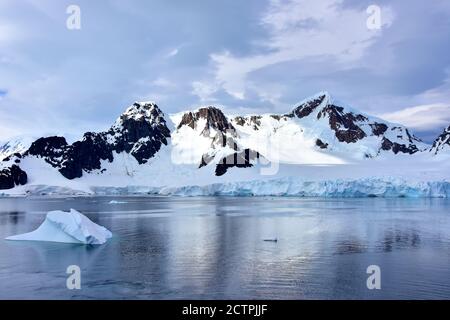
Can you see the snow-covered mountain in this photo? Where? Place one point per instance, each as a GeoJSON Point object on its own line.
{"type": "Point", "coordinates": [320, 130]}
{"type": "Point", "coordinates": [319, 138]}
{"type": "Point", "coordinates": [139, 131]}
{"type": "Point", "coordinates": [14, 145]}
{"type": "Point", "coordinates": [442, 143]}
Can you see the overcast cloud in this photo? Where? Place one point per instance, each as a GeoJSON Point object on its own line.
{"type": "Point", "coordinates": [246, 56]}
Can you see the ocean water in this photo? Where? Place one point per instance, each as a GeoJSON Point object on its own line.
{"type": "Point", "coordinates": [214, 248]}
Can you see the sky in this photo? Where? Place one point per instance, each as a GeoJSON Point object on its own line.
{"type": "Point", "coordinates": [249, 56]}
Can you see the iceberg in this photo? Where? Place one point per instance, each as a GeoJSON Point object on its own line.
{"type": "Point", "coordinates": [67, 227]}
{"type": "Point", "coordinates": [117, 202]}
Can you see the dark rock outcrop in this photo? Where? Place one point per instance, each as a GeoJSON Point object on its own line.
{"type": "Point", "coordinates": [321, 144]}
{"type": "Point", "coordinates": [308, 107]}
{"type": "Point", "coordinates": [442, 142]}
{"type": "Point", "coordinates": [254, 121]}
{"type": "Point", "coordinates": [12, 177]}
{"type": "Point", "coordinates": [51, 149]}
{"type": "Point", "coordinates": [378, 129]}
{"type": "Point", "coordinates": [240, 159]}
{"type": "Point", "coordinates": [344, 123]}
{"type": "Point", "coordinates": [140, 131]}
{"type": "Point", "coordinates": [215, 119]}
{"type": "Point", "coordinates": [396, 147]}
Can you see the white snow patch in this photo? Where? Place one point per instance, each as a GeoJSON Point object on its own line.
{"type": "Point", "coordinates": [117, 202]}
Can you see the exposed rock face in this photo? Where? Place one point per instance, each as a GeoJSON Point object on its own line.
{"type": "Point", "coordinates": [305, 109]}
{"type": "Point", "coordinates": [378, 129]}
{"type": "Point", "coordinates": [321, 144]}
{"type": "Point", "coordinates": [344, 123]}
{"type": "Point", "coordinates": [352, 127]}
{"type": "Point", "coordinates": [254, 121]}
{"type": "Point", "coordinates": [51, 149]}
{"type": "Point", "coordinates": [214, 117]}
{"type": "Point", "coordinates": [140, 131]}
{"type": "Point", "coordinates": [240, 159]}
{"type": "Point", "coordinates": [11, 177]}
{"type": "Point", "coordinates": [85, 155]}
{"type": "Point", "coordinates": [211, 123]}
{"type": "Point", "coordinates": [442, 142]}
{"type": "Point", "coordinates": [409, 145]}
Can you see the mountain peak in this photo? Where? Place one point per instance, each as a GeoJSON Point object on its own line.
{"type": "Point", "coordinates": [140, 111]}
{"type": "Point", "coordinates": [309, 105]}
{"type": "Point", "coordinates": [441, 142]}
{"type": "Point", "coordinates": [215, 119]}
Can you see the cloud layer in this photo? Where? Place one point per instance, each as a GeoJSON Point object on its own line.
{"type": "Point", "coordinates": [257, 56]}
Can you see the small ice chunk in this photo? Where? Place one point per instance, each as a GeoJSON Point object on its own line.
{"type": "Point", "coordinates": [67, 227]}
{"type": "Point", "coordinates": [117, 202]}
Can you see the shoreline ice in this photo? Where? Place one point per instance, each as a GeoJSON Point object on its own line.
{"type": "Point", "coordinates": [280, 187]}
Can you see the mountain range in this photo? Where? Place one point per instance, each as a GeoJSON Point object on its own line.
{"type": "Point", "coordinates": [146, 147]}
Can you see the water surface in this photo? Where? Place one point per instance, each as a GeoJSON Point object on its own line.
{"type": "Point", "coordinates": [214, 248]}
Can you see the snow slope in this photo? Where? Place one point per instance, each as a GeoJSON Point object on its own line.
{"type": "Point", "coordinates": [17, 144]}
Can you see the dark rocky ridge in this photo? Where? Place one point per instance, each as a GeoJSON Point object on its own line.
{"type": "Point", "coordinates": [343, 123]}
{"type": "Point", "coordinates": [321, 144]}
{"type": "Point", "coordinates": [396, 147]}
{"type": "Point", "coordinates": [305, 109]}
{"type": "Point", "coordinates": [216, 122]}
{"type": "Point", "coordinates": [240, 159]}
{"type": "Point", "coordinates": [254, 121]}
{"type": "Point", "coordinates": [348, 126]}
{"type": "Point", "coordinates": [12, 177]}
{"type": "Point", "coordinates": [441, 142]}
{"type": "Point", "coordinates": [140, 131]}
{"type": "Point", "coordinates": [215, 119]}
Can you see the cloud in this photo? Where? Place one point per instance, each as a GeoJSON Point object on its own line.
{"type": "Point", "coordinates": [275, 53]}
{"type": "Point", "coordinates": [298, 30]}
{"type": "Point", "coordinates": [204, 91]}
{"type": "Point", "coordinates": [162, 82]}
{"type": "Point", "coordinates": [423, 117]}
{"type": "Point", "coordinates": [172, 53]}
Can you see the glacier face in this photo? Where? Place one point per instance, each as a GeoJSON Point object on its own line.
{"type": "Point", "coordinates": [340, 188]}
{"type": "Point", "coordinates": [296, 187]}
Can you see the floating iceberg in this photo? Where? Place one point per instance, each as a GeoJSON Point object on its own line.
{"type": "Point", "coordinates": [67, 227]}
{"type": "Point", "coordinates": [117, 202]}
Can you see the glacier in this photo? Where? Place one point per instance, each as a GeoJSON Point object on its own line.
{"type": "Point", "coordinates": [296, 187]}
{"type": "Point", "coordinates": [67, 227]}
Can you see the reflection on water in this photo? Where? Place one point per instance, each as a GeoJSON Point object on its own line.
{"type": "Point", "coordinates": [399, 239]}
{"type": "Point", "coordinates": [213, 248]}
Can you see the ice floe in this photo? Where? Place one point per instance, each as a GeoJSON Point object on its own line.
{"type": "Point", "coordinates": [67, 227]}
